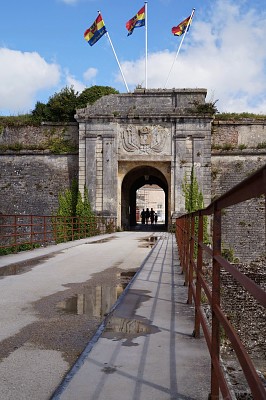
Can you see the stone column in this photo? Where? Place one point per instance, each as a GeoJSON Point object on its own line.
{"type": "Point", "coordinates": [91, 144]}
{"type": "Point", "coordinates": [180, 160]}
{"type": "Point", "coordinates": [82, 157]}
{"type": "Point", "coordinates": [110, 171]}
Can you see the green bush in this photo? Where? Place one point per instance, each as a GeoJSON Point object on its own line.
{"type": "Point", "coordinates": [61, 107]}
{"type": "Point", "coordinates": [194, 202]}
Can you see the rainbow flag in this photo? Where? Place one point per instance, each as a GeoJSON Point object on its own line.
{"type": "Point", "coordinates": [181, 28]}
{"type": "Point", "coordinates": [96, 31]}
{"type": "Point", "coordinates": [136, 22]}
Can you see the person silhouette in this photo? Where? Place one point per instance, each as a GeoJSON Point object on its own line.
{"type": "Point", "coordinates": [152, 215]}
{"type": "Point", "coordinates": [143, 214]}
{"type": "Point", "coordinates": [147, 215]}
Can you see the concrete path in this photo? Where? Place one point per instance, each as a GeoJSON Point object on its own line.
{"type": "Point", "coordinates": [142, 350]}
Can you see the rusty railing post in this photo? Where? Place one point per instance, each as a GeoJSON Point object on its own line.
{"type": "Point", "coordinates": [191, 258]}
{"type": "Point", "coordinates": [215, 342]}
{"type": "Point", "coordinates": [198, 284]}
{"type": "Point", "coordinates": [186, 249]}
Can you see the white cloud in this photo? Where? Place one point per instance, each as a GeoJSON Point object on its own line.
{"type": "Point", "coordinates": [75, 83]}
{"type": "Point", "coordinates": [90, 73]}
{"type": "Point", "coordinates": [225, 54]}
{"type": "Point", "coordinates": [22, 75]}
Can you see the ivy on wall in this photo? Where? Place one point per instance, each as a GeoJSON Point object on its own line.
{"type": "Point", "coordinates": [193, 202]}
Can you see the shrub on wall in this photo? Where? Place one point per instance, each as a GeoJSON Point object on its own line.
{"type": "Point", "coordinates": [194, 202]}
{"type": "Point", "coordinates": [61, 107]}
{"type": "Point", "coordinates": [75, 217]}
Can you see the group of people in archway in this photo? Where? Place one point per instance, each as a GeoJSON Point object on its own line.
{"type": "Point", "coordinates": [149, 215]}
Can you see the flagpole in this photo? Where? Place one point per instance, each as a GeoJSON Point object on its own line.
{"type": "Point", "coordinates": [107, 33]}
{"type": "Point", "coordinates": [146, 45]}
{"type": "Point", "coordinates": [178, 50]}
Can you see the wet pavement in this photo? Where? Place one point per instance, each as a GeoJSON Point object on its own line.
{"type": "Point", "coordinates": [89, 313]}
{"type": "Point", "coordinates": [144, 348]}
{"type": "Point", "coordinates": [52, 301]}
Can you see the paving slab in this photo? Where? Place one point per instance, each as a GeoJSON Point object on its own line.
{"type": "Point", "coordinates": [144, 349]}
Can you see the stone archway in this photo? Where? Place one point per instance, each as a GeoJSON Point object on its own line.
{"type": "Point", "coordinates": [158, 133]}
{"type": "Point", "coordinates": [134, 180]}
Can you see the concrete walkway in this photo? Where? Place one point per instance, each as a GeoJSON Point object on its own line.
{"type": "Point", "coordinates": [143, 349]}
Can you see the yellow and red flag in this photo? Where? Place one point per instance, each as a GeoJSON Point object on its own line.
{"type": "Point", "coordinates": [136, 22]}
{"type": "Point", "coordinates": [96, 31]}
{"type": "Point", "coordinates": [181, 28]}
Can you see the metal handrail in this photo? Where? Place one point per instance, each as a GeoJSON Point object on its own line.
{"type": "Point", "coordinates": [19, 232]}
{"type": "Point", "coordinates": [252, 187]}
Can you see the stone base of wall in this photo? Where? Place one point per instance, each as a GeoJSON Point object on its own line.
{"type": "Point", "coordinates": [30, 183]}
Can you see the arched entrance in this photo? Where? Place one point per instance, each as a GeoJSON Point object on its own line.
{"type": "Point", "coordinates": [152, 137]}
{"type": "Point", "coordinates": [134, 180]}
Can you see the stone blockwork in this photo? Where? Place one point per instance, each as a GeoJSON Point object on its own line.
{"type": "Point", "coordinates": [238, 150]}
{"type": "Point", "coordinates": [30, 180]}
{"type": "Point", "coordinates": [30, 183]}
{"type": "Point", "coordinates": [156, 131]}
{"type": "Point", "coordinates": [159, 134]}
{"type": "Point", "coordinates": [243, 225]}
{"type": "Point", "coordinates": [234, 134]}
{"type": "Point", "coordinates": [37, 137]}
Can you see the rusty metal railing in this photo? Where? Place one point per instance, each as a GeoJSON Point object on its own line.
{"type": "Point", "coordinates": [22, 232]}
{"type": "Point", "coordinates": [189, 238]}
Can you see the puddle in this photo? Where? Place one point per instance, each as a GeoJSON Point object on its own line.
{"type": "Point", "coordinates": [118, 328]}
{"type": "Point", "coordinates": [14, 270]}
{"type": "Point", "coordinates": [129, 326]}
{"type": "Point", "coordinates": [102, 240]}
{"type": "Point", "coordinates": [23, 266]}
{"type": "Point", "coordinates": [95, 301]}
{"type": "Point", "coordinates": [66, 331]}
{"type": "Point", "coordinates": [148, 242]}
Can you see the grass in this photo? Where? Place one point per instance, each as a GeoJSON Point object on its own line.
{"type": "Point", "coordinates": [239, 116]}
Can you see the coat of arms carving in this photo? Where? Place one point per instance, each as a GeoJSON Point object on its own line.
{"type": "Point", "coordinates": [144, 139]}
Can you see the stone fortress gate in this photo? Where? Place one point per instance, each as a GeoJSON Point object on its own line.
{"type": "Point", "coordinates": [147, 137]}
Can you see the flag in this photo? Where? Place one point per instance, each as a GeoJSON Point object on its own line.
{"type": "Point", "coordinates": [96, 31]}
{"type": "Point", "coordinates": [181, 28]}
{"type": "Point", "coordinates": [137, 21]}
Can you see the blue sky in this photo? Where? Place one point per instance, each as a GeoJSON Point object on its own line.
{"type": "Point", "coordinates": [42, 50]}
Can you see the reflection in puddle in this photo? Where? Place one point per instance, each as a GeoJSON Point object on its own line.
{"type": "Point", "coordinates": [118, 328]}
{"type": "Point", "coordinates": [131, 326]}
{"type": "Point", "coordinates": [148, 242]}
{"type": "Point", "coordinates": [14, 270]}
{"type": "Point", "coordinates": [95, 301]}
{"type": "Point", "coordinates": [24, 266]}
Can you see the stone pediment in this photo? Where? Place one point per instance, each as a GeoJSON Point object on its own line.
{"type": "Point", "coordinates": [141, 139]}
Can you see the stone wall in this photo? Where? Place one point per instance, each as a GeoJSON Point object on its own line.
{"type": "Point", "coordinates": [243, 225]}
{"type": "Point", "coordinates": [30, 178]}
{"type": "Point", "coordinates": [143, 129]}
{"type": "Point", "coordinates": [238, 150]}
{"type": "Point", "coordinates": [30, 182]}
{"type": "Point", "coordinates": [244, 133]}
{"type": "Point", "coordinates": [37, 137]}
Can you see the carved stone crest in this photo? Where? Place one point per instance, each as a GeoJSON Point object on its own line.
{"type": "Point", "coordinates": [144, 139]}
